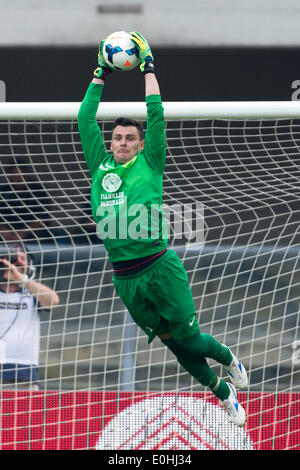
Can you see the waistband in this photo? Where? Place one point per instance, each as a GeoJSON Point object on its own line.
{"type": "Point", "coordinates": [19, 373]}
{"type": "Point", "coordinates": [135, 266]}
{"type": "Point", "coordinates": [148, 268]}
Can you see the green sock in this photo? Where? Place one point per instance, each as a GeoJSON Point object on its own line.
{"type": "Point", "coordinates": [221, 389]}
{"type": "Point", "coordinates": [197, 366]}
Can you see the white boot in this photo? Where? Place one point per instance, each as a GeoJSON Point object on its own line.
{"type": "Point", "coordinates": [234, 409]}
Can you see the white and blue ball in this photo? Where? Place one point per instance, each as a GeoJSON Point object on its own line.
{"type": "Point", "coordinates": [120, 52]}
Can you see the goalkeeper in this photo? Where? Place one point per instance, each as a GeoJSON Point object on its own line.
{"type": "Point", "coordinates": [149, 278]}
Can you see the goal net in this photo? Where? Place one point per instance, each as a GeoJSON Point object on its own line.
{"type": "Point", "coordinates": [232, 195]}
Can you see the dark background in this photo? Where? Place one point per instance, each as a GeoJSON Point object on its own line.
{"type": "Point", "coordinates": [211, 74]}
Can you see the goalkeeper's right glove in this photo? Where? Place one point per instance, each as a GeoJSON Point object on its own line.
{"type": "Point", "coordinates": [103, 69]}
{"type": "Point", "coordinates": [145, 53]}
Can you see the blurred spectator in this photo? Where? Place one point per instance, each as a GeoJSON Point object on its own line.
{"type": "Point", "coordinates": [26, 206]}
{"type": "Point", "coordinates": [21, 297]}
{"type": "Point", "coordinates": [28, 209]}
{"type": "Point", "coordinates": [12, 234]}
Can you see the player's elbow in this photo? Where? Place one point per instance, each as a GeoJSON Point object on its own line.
{"type": "Point", "coordinates": [55, 300]}
{"type": "Point", "coordinates": [51, 302]}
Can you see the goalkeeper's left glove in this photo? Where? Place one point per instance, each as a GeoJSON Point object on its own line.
{"type": "Point", "coordinates": [103, 69]}
{"type": "Point", "coordinates": [145, 53]}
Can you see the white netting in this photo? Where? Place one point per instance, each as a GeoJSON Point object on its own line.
{"type": "Point", "coordinates": [245, 277]}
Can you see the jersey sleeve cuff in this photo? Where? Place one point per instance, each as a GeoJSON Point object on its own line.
{"type": "Point", "coordinates": [153, 99]}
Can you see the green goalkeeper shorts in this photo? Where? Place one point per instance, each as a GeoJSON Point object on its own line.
{"type": "Point", "coordinates": [159, 299]}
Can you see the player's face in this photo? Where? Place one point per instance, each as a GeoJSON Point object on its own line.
{"type": "Point", "coordinates": [125, 143]}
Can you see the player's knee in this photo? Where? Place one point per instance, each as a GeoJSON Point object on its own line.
{"type": "Point", "coordinates": [196, 344]}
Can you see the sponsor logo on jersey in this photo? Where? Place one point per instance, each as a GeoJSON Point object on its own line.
{"type": "Point", "coordinates": [105, 167]}
{"type": "Point", "coordinates": [111, 182]}
{"type": "Point", "coordinates": [13, 305]}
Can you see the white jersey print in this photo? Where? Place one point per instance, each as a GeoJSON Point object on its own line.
{"type": "Point", "coordinates": [19, 328]}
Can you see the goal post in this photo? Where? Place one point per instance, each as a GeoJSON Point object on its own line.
{"type": "Point", "coordinates": [232, 198]}
{"type": "Point", "coordinates": [173, 110]}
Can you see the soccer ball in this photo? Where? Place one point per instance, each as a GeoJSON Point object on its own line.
{"type": "Point", "coordinates": [119, 52]}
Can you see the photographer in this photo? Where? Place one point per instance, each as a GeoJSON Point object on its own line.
{"type": "Point", "coordinates": [20, 298]}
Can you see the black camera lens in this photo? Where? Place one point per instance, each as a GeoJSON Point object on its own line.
{"type": "Point", "coordinates": [9, 253]}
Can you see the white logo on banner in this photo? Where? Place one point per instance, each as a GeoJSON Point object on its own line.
{"type": "Point", "coordinates": [170, 422]}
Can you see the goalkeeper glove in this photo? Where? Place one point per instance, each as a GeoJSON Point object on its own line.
{"type": "Point", "coordinates": [146, 56]}
{"type": "Point", "coordinates": [103, 69]}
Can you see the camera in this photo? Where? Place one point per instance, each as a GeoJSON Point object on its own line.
{"type": "Point", "coordinates": [10, 253]}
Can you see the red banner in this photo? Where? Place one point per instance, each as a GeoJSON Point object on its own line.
{"type": "Point", "coordinates": [112, 420]}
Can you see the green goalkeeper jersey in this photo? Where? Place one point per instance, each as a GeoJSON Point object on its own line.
{"type": "Point", "coordinates": [126, 199]}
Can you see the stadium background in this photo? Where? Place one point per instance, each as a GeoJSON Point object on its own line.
{"type": "Point", "coordinates": [217, 50]}
{"type": "Point", "coordinates": [235, 60]}
{"type": "Point", "coordinates": [208, 73]}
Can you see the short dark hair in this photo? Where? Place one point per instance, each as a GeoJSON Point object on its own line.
{"type": "Point", "coordinates": [126, 122]}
